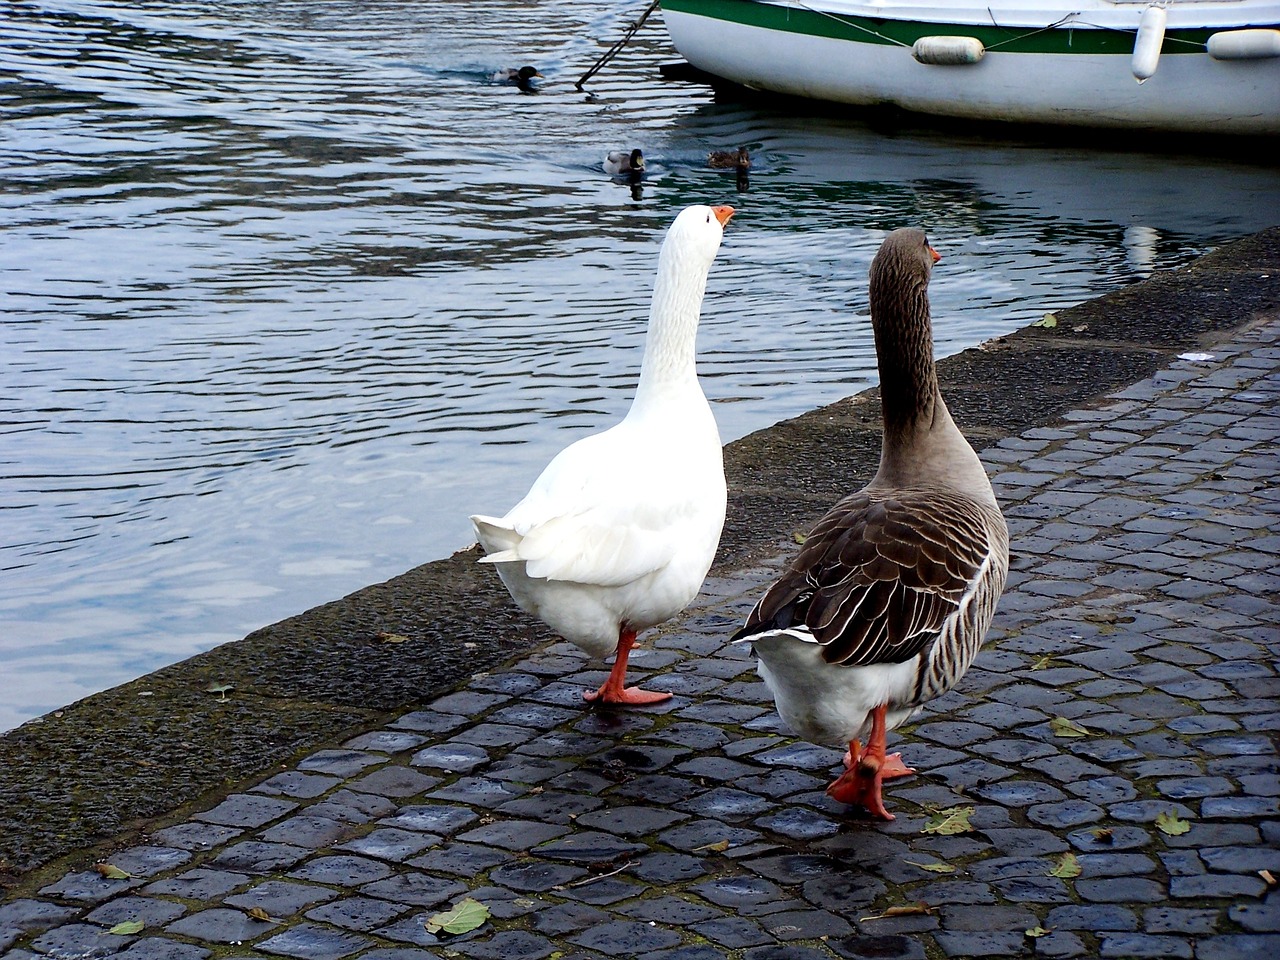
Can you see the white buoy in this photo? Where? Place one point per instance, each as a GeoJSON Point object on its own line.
{"type": "Point", "coordinates": [1244, 45]}
{"type": "Point", "coordinates": [1146, 48]}
{"type": "Point", "coordinates": [948, 51]}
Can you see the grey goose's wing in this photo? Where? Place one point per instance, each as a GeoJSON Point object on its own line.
{"type": "Point", "coordinates": [878, 577]}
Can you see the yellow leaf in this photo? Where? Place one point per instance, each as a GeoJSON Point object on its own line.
{"type": "Point", "coordinates": [950, 821]}
{"type": "Point", "coordinates": [1048, 321]}
{"type": "Point", "coordinates": [1103, 835]}
{"type": "Point", "coordinates": [127, 928]}
{"type": "Point", "coordinates": [1062, 727]}
{"type": "Point", "coordinates": [919, 908]}
{"type": "Point", "coordinates": [720, 846]}
{"type": "Point", "coordinates": [1267, 877]}
{"type": "Point", "coordinates": [1067, 867]}
{"type": "Point", "coordinates": [934, 867]}
{"type": "Point", "coordinates": [112, 872]}
{"type": "Point", "coordinates": [257, 913]}
{"type": "Point", "coordinates": [1169, 823]}
{"type": "Point", "coordinates": [391, 637]}
{"type": "Point", "coordinates": [462, 917]}
{"type": "Point", "coordinates": [1042, 662]}
{"type": "Point", "coordinates": [800, 537]}
{"type": "Point", "coordinates": [1036, 932]}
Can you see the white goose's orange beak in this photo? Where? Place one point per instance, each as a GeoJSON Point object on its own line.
{"type": "Point", "coordinates": [723, 213]}
{"type": "Point", "coordinates": [935, 254]}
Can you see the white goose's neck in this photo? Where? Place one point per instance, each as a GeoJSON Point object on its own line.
{"type": "Point", "coordinates": [669, 351]}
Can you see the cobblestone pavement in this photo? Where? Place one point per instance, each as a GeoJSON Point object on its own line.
{"type": "Point", "coordinates": [1113, 747]}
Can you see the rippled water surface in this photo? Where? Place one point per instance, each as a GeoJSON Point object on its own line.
{"type": "Point", "coordinates": [288, 290]}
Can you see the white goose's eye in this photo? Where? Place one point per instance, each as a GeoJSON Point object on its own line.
{"type": "Point", "coordinates": [708, 218]}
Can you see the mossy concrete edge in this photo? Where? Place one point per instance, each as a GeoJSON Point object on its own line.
{"type": "Point", "coordinates": [102, 769]}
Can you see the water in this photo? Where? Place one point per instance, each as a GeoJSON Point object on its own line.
{"type": "Point", "coordinates": [288, 290]}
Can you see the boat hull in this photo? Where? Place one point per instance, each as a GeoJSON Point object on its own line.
{"type": "Point", "coordinates": [1060, 76]}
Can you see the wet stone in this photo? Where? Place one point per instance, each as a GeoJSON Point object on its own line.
{"type": "Point", "coordinates": [798, 823]}
{"type": "Point", "coordinates": [631, 821]}
{"type": "Point", "coordinates": [432, 818]}
{"type": "Point", "coordinates": [1133, 946]}
{"type": "Point", "coordinates": [737, 892]}
{"type": "Point", "coordinates": [508, 945]}
{"type": "Point", "coordinates": [588, 846]}
{"type": "Point", "coordinates": [357, 913]}
{"type": "Point", "coordinates": [552, 806]}
{"type": "Point", "coordinates": [429, 721]}
{"type": "Point", "coordinates": [306, 831]}
{"type": "Point", "coordinates": [411, 929]}
{"type": "Point", "coordinates": [254, 856]}
{"type": "Point", "coordinates": [152, 912]}
{"type": "Point", "coordinates": [158, 948]}
{"type": "Point", "coordinates": [199, 884]}
{"type": "Point", "coordinates": [395, 781]}
{"type": "Point", "coordinates": [350, 807]}
{"type": "Point", "coordinates": [89, 887]}
{"type": "Point", "coordinates": [461, 859]}
{"type": "Point", "coordinates": [479, 791]}
{"type": "Point", "coordinates": [1120, 890]}
{"type": "Point", "coordinates": [624, 938]}
{"type": "Point", "coordinates": [513, 834]}
{"type": "Point", "coordinates": [701, 834]}
{"type": "Point", "coordinates": [194, 835]}
{"type": "Point", "coordinates": [801, 756]}
{"type": "Point", "coordinates": [1245, 946]}
{"type": "Point", "coordinates": [390, 843]}
{"type": "Point", "coordinates": [342, 870]}
{"type": "Point", "coordinates": [732, 932]}
{"type": "Point", "coordinates": [529, 770]}
{"type": "Point", "coordinates": [303, 786]}
{"type": "Point", "coordinates": [1215, 885]}
{"type": "Point", "coordinates": [536, 876]}
{"type": "Point", "coordinates": [872, 947]}
{"type": "Point", "coordinates": [980, 944]}
{"type": "Point", "coordinates": [81, 941]}
{"type": "Point", "coordinates": [33, 915]}
{"type": "Point", "coordinates": [221, 925]}
{"type": "Point", "coordinates": [340, 763]}
{"type": "Point", "coordinates": [385, 741]}
{"type": "Point", "coordinates": [1068, 813]}
{"type": "Point", "coordinates": [1180, 920]}
{"type": "Point", "coordinates": [604, 892]}
{"type": "Point", "coordinates": [781, 783]}
{"type": "Point", "coordinates": [668, 868]}
{"type": "Point", "coordinates": [670, 910]}
{"type": "Point", "coordinates": [280, 899]}
{"type": "Point", "coordinates": [247, 810]}
{"type": "Point", "coordinates": [308, 941]}
{"type": "Point", "coordinates": [725, 803]}
{"type": "Point", "coordinates": [566, 918]}
{"type": "Point", "coordinates": [419, 889]}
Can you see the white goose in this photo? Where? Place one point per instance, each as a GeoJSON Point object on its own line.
{"type": "Point", "coordinates": [618, 532]}
{"type": "Point", "coordinates": [888, 602]}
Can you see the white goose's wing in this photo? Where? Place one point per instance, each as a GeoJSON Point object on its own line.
{"type": "Point", "coordinates": [605, 513]}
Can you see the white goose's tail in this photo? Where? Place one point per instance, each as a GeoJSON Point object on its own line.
{"type": "Point", "coordinates": [501, 543]}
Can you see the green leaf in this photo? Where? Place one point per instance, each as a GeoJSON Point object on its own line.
{"type": "Point", "coordinates": [800, 537]}
{"type": "Point", "coordinates": [934, 867]}
{"type": "Point", "coordinates": [1067, 867]}
{"type": "Point", "coordinates": [111, 871]}
{"type": "Point", "coordinates": [1169, 823]}
{"type": "Point", "coordinates": [392, 637]}
{"type": "Point", "coordinates": [1048, 321]}
{"type": "Point", "coordinates": [1042, 663]}
{"type": "Point", "coordinates": [1062, 727]}
{"type": "Point", "coordinates": [222, 689]}
{"type": "Point", "coordinates": [463, 917]}
{"type": "Point", "coordinates": [1036, 932]}
{"type": "Point", "coordinates": [950, 821]}
{"type": "Point", "coordinates": [127, 928]}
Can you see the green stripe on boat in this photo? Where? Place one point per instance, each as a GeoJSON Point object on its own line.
{"type": "Point", "coordinates": [794, 19]}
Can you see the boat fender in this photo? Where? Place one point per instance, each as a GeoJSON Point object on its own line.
{"type": "Point", "coordinates": [1244, 44]}
{"type": "Point", "coordinates": [1146, 48]}
{"type": "Point", "coordinates": [948, 51]}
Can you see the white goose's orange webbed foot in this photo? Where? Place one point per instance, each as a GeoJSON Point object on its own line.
{"type": "Point", "coordinates": [614, 690]}
{"type": "Point", "coordinates": [894, 767]}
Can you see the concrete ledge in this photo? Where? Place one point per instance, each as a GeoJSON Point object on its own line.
{"type": "Point", "coordinates": [105, 765]}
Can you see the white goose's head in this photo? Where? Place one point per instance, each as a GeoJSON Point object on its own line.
{"type": "Point", "coordinates": [693, 238]}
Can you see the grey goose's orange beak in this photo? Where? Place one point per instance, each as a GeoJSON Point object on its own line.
{"type": "Point", "coordinates": [723, 213]}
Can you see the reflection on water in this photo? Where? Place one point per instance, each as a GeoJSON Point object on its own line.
{"type": "Point", "coordinates": [289, 290]}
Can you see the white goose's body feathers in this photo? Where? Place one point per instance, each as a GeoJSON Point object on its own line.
{"type": "Point", "coordinates": [621, 527]}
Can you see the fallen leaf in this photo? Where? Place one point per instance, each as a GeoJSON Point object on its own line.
{"type": "Point", "coordinates": [1042, 662]}
{"type": "Point", "coordinates": [920, 908]}
{"type": "Point", "coordinates": [463, 917]}
{"type": "Point", "coordinates": [1080, 328]}
{"type": "Point", "coordinates": [391, 637]}
{"type": "Point", "coordinates": [1062, 727]}
{"type": "Point", "coordinates": [1103, 835]}
{"type": "Point", "coordinates": [1196, 357]}
{"type": "Point", "coordinates": [950, 821]}
{"type": "Point", "coordinates": [1169, 823]}
{"type": "Point", "coordinates": [1036, 932]}
{"type": "Point", "coordinates": [257, 913]}
{"type": "Point", "coordinates": [1107, 616]}
{"type": "Point", "coordinates": [220, 688]}
{"type": "Point", "coordinates": [1048, 321]}
{"type": "Point", "coordinates": [800, 538]}
{"type": "Point", "coordinates": [127, 928]}
{"type": "Point", "coordinates": [112, 872]}
{"type": "Point", "coordinates": [1267, 877]}
{"type": "Point", "coordinates": [934, 867]}
{"type": "Point", "coordinates": [720, 846]}
{"type": "Point", "coordinates": [1066, 867]}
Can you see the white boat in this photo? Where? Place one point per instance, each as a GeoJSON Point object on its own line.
{"type": "Point", "coordinates": [1195, 66]}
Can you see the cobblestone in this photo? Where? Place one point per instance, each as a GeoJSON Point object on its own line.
{"type": "Point", "coordinates": [1139, 607]}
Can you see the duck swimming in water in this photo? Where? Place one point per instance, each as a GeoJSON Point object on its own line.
{"type": "Point", "coordinates": [522, 78]}
{"type": "Point", "coordinates": [738, 159]}
{"type": "Point", "coordinates": [620, 162]}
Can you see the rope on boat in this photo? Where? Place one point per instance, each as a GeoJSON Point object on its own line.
{"type": "Point", "coordinates": [613, 51]}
